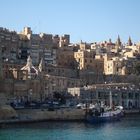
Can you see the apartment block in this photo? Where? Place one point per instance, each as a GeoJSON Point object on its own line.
{"type": "Point", "coordinates": [9, 41]}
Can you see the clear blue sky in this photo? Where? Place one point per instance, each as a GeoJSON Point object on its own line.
{"type": "Point", "coordinates": [87, 20]}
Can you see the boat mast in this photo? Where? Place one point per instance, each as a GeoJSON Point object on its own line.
{"type": "Point", "coordinates": [110, 98]}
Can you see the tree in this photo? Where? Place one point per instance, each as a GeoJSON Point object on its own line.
{"type": "Point", "coordinates": [59, 97]}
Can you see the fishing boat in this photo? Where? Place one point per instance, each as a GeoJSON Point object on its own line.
{"type": "Point", "coordinates": [101, 114]}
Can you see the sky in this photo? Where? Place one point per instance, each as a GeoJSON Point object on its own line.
{"type": "Point", "coordinates": [86, 20]}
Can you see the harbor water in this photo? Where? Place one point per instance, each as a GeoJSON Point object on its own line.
{"type": "Point", "coordinates": [128, 128]}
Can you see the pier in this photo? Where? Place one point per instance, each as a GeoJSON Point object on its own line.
{"type": "Point", "coordinates": [38, 115]}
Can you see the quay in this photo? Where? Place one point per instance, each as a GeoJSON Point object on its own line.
{"type": "Point", "coordinates": [132, 112]}
{"type": "Point", "coordinates": [37, 115]}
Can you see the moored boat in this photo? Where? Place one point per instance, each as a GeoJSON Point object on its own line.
{"type": "Point", "coordinates": [95, 116]}
{"type": "Point", "coordinates": [101, 114]}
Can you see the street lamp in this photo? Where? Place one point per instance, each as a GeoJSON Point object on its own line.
{"type": "Point", "coordinates": [30, 94]}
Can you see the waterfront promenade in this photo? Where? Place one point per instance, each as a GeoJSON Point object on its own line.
{"type": "Point", "coordinates": [35, 115]}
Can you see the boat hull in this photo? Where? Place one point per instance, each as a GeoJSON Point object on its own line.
{"type": "Point", "coordinates": [103, 119]}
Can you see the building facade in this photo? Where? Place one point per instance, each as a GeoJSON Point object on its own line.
{"type": "Point", "coordinates": [123, 94]}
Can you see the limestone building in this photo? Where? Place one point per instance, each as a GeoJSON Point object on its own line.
{"type": "Point", "coordinates": [9, 41]}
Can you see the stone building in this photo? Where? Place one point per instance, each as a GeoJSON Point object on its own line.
{"type": "Point", "coordinates": [124, 94]}
{"type": "Point", "coordinates": [65, 58]}
{"type": "Point", "coordinates": [120, 66]}
{"type": "Point", "coordinates": [31, 70]}
{"type": "Point", "coordinates": [7, 69]}
{"type": "Point", "coordinates": [64, 40]}
{"type": "Point", "coordinates": [61, 71]}
{"type": "Point", "coordinates": [84, 46]}
{"type": "Point", "coordinates": [59, 84]}
{"type": "Point", "coordinates": [50, 57]}
{"type": "Point", "coordinates": [32, 82]}
{"type": "Point", "coordinates": [9, 42]}
{"type": "Point", "coordinates": [85, 58]}
{"type": "Point", "coordinates": [90, 67]}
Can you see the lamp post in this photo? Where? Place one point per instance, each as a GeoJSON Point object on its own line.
{"type": "Point", "coordinates": [96, 93]}
{"type": "Point", "coordinates": [30, 95]}
{"type": "Point", "coordinates": [42, 87]}
{"type": "Point", "coordinates": [110, 97]}
{"type": "Point", "coordinates": [54, 90]}
{"type": "Point", "coordinates": [46, 92]}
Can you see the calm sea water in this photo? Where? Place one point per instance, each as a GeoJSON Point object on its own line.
{"type": "Point", "coordinates": [126, 129]}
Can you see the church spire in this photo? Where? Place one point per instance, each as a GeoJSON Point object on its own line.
{"type": "Point", "coordinates": [41, 65]}
{"type": "Point", "coordinates": [118, 42]}
{"type": "Point", "coordinates": [29, 61]}
{"type": "Point", "coordinates": [110, 40]}
{"type": "Point", "coordinates": [129, 42]}
{"type": "Point", "coordinates": [32, 71]}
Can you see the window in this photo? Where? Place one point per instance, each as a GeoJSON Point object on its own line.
{"type": "Point", "coordinates": [130, 95]}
